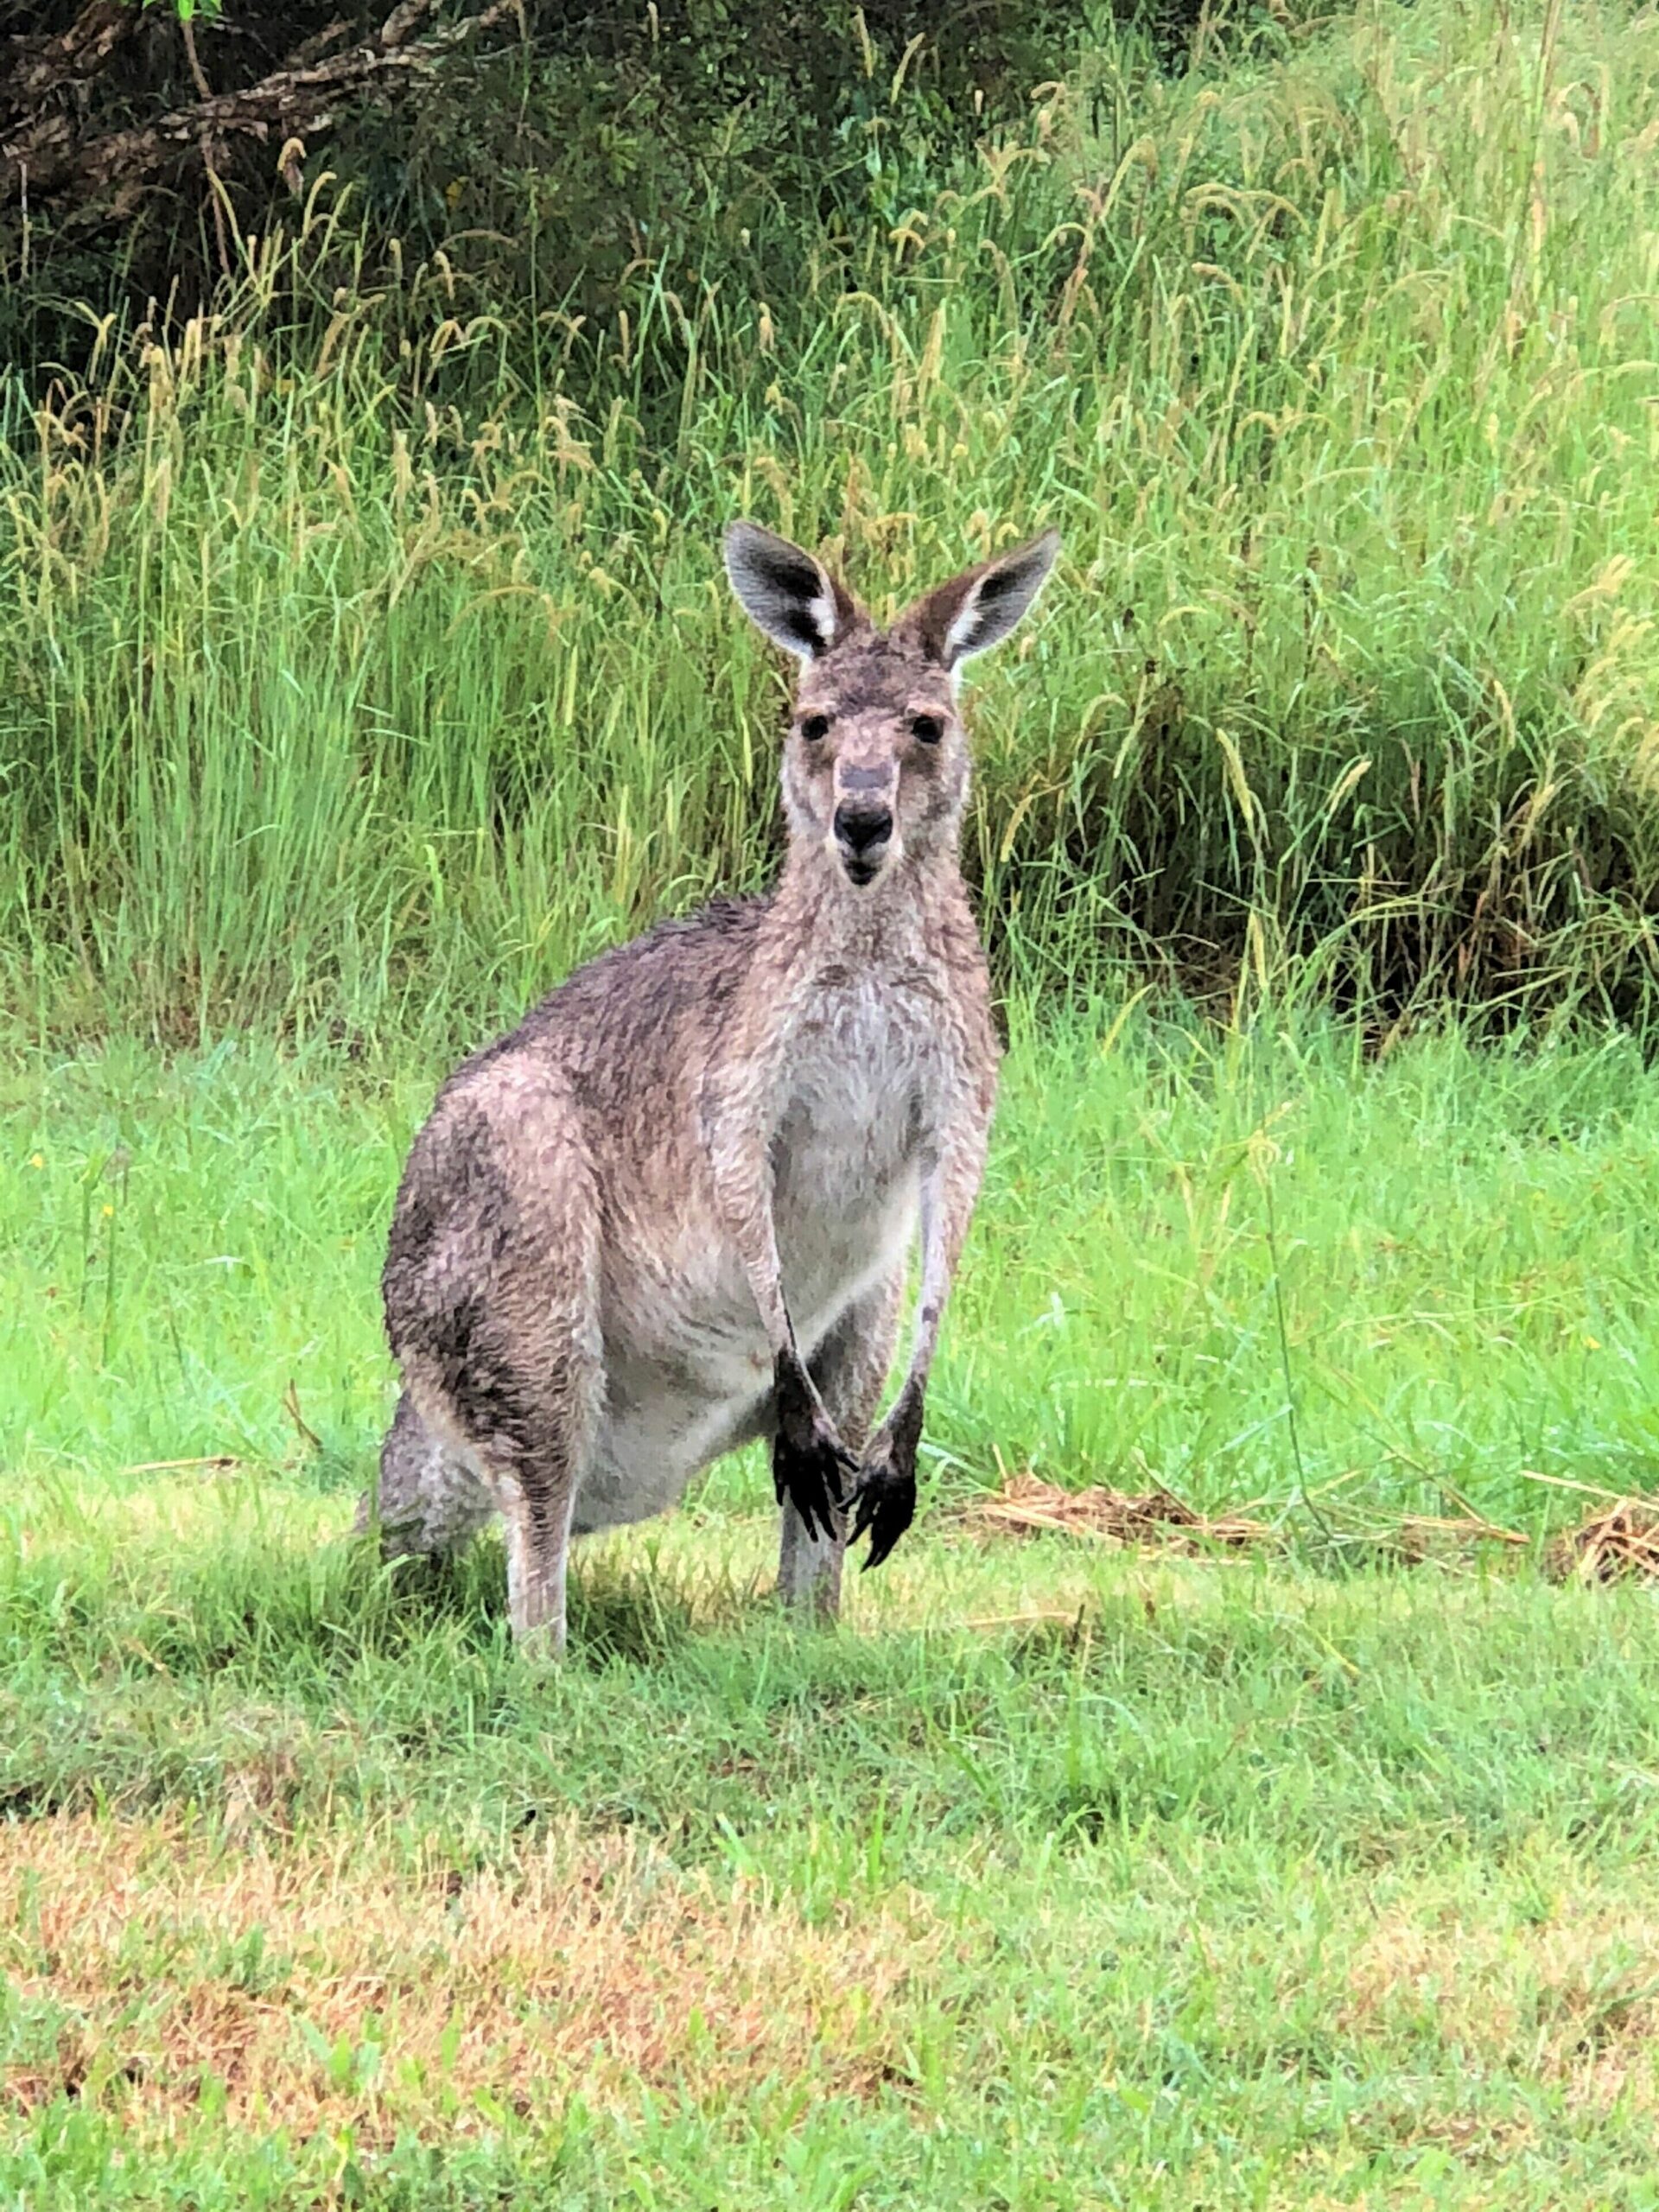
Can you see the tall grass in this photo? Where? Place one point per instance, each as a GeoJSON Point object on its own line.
{"type": "Point", "coordinates": [361, 655]}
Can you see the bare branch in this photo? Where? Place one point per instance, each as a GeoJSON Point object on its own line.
{"type": "Point", "coordinates": [45, 155]}
{"type": "Point", "coordinates": [33, 69]}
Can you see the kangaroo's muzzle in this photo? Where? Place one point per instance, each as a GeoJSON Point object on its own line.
{"type": "Point", "coordinates": [863, 833]}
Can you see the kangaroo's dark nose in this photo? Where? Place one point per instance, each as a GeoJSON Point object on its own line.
{"type": "Point", "coordinates": [859, 827]}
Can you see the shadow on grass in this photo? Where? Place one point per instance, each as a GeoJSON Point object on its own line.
{"type": "Point", "coordinates": [262, 1609]}
{"type": "Point", "coordinates": [281, 1682]}
{"type": "Point", "coordinates": [636, 1611]}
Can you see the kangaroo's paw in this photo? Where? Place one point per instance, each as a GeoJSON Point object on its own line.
{"type": "Point", "coordinates": [809, 1461]}
{"type": "Point", "coordinates": [883, 1498]}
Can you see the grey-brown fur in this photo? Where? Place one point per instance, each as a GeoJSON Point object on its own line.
{"type": "Point", "coordinates": [673, 1210]}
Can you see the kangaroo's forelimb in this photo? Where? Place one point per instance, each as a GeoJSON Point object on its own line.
{"type": "Point", "coordinates": [810, 1463]}
{"type": "Point", "coordinates": [850, 1367]}
{"type": "Point", "coordinates": [883, 1501]}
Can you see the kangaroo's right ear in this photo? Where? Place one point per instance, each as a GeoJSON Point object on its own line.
{"type": "Point", "coordinates": [785, 592]}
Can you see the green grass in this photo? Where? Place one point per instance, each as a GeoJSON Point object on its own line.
{"type": "Point", "coordinates": [1240, 1262]}
{"type": "Point", "coordinates": [1222, 1885]}
{"type": "Point", "coordinates": [344, 676]}
{"type": "Point", "coordinates": [1058, 1878]}
{"type": "Point", "coordinates": [353, 686]}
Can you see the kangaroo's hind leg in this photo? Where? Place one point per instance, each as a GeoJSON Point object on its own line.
{"type": "Point", "coordinates": [493, 1306]}
{"type": "Point", "coordinates": [425, 1499]}
{"type": "Point", "coordinates": [850, 1368]}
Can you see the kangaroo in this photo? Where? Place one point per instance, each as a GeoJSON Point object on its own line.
{"type": "Point", "coordinates": [673, 1210]}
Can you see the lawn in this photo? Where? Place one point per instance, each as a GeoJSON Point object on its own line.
{"type": "Point", "coordinates": [1250, 1262]}
{"type": "Point", "coordinates": [1060, 1876]}
{"type": "Point", "coordinates": [1208, 1883]}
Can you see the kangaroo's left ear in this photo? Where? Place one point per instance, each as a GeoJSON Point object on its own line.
{"type": "Point", "coordinates": [978, 608]}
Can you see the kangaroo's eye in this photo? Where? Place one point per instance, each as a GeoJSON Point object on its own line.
{"type": "Point", "coordinates": [814, 727]}
{"type": "Point", "coordinates": [928, 728]}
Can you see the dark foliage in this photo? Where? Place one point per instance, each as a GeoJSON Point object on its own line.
{"type": "Point", "coordinates": [564, 142]}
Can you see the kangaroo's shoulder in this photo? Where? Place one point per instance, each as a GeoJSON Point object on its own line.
{"type": "Point", "coordinates": [634, 994]}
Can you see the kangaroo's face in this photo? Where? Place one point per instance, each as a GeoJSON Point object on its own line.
{"type": "Point", "coordinates": [875, 765]}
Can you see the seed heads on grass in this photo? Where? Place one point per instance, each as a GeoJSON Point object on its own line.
{"type": "Point", "coordinates": [387, 599]}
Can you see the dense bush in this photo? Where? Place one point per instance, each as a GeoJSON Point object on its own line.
{"type": "Point", "coordinates": [562, 146]}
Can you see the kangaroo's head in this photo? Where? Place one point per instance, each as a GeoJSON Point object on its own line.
{"type": "Point", "coordinates": [875, 765]}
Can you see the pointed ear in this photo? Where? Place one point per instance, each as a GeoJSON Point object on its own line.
{"type": "Point", "coordinates": [978, 608]}
{"type": "Point", "coordinates": [785, 592]}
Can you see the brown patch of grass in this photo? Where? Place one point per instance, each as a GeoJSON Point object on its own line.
{"type": "Point", "coordinates": [1621, 1539]}
{"type": "Point", "coordinates": [1026, 1505]}
{"type": "Point", "coordinates": [1573, 2002]}
{"type": "Point", "coordinates": [326, 1983]}
{"type": "Point", "coordinates": [1158, 1519]}
{"type": "Point", "coordinates": [1417, 1539]}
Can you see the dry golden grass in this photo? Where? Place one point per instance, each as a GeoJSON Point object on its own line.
{"type": "Point", "coordinates": [1028, 1506]}
{"type": "Point", "coordinates": [175, 1956]}
{"type": "Point", "coordinates": [1573, 2002]}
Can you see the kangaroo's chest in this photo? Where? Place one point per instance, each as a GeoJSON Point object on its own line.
{"type": "Point", "coordinates": [867, 1075]}
{"type": "Point", "coordinates": [867, 1069]}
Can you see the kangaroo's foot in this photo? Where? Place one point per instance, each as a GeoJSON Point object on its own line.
{"type": "Point", "coordinates": [538, 1543]}
{"type": "Point", "coordinates": [809, 1567]}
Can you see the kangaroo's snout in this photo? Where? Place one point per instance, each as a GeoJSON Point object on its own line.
{"type": "Point", "coordinates": [863, 828]}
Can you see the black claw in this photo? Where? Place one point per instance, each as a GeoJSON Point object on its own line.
{"type": "Point", "coordinates": [808, 1479]}
{"type": "Point", "coordinates": [809, 1461]}
{"type": "Point", "coordinates": [885, 1536]}
{"type": "Point", "coordinates": [884, 1497]}
{"type": "Point", "coordinates": [886, 1506]}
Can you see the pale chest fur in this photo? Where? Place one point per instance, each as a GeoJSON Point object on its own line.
{"type": "Point", "coordinates": [865, 1069]}
{"type": "Point", "coordinates": [869, 1064]}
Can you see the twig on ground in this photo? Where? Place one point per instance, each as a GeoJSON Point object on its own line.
{"type": "Point", "coordinates": [1620, 1541]}
{"type": "Point", "coordinates": [1027, 1504]}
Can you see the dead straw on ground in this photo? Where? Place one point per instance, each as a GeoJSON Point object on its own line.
{"type": "Point", "coordinates": [1618, 1539]}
